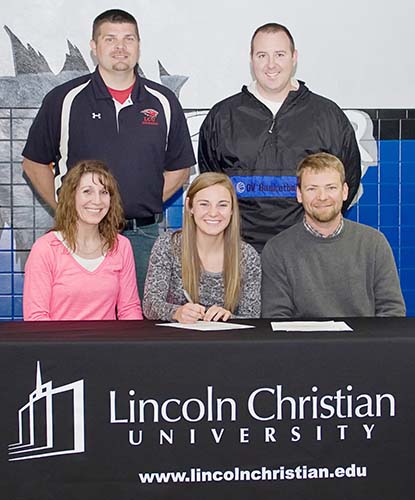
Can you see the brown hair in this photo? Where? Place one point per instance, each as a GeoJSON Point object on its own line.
{"type": "Point", "coordinates": [66, 216]}
{"type": "Point", "coordinates": [273, 28]}
{"type": "Point", "coordinates": [191, 265]}
{"type": "Point", "coordinates": [113, 16]}
{"type": "Point", "coordinates": [318, 162]}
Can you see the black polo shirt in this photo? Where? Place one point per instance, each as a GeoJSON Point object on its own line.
{"type": "Point", "coordinates": [138, 140]}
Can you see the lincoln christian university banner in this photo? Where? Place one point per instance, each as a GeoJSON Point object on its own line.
{"type": "Point", "coordinates": [283, 417]}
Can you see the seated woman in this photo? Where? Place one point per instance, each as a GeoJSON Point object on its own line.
{"type": "Point", "coordinates": [83, 269]}
{"type": "Point", "coordinates": [204, 272]}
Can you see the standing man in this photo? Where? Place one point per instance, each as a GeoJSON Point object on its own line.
{"type": "Point", "coordinates": [327, 266]}
{"type": "Point", "coordinates": [134, 125]}
{"type": "Point", "coordinates": [259, 136]}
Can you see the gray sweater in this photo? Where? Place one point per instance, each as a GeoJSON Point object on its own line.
{"type": "Point", "coordinates": [351, 274]}
{"type": "Point", "coordinates": [163, 292]}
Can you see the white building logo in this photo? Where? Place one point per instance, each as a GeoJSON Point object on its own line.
{"type": "Point", "coordinates": [51, 422]}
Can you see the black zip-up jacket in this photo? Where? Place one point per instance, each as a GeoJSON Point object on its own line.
{"type": "Point", "coordinates": [241, 138]}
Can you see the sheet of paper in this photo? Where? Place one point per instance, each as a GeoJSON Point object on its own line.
{"type": "Point", "coordinates": [207, 325]}
{"type": "Point", "coordinates": [310, 326]}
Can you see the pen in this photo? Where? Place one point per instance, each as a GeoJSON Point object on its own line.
{"type": "Point", "coordinates": [189, 299]}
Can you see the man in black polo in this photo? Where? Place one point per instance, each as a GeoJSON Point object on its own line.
{"type": "Point", "coordinates": [133, 124]}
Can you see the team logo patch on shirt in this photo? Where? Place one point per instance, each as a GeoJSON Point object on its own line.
{"type": "Point", "coordinates": [265, 186]}
{"type": "Point", "coordinates": [150, 116]}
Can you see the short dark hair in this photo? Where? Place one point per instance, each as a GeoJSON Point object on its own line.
{"type": "Point", "coordinates": [273, 28]}
{"type": "Point", "coordinates": [113, 16]}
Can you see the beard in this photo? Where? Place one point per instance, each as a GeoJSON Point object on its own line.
{"type": "Point", "coordinates": [326, 214]}
{"type": "Point", "coordinates": [120, 66]}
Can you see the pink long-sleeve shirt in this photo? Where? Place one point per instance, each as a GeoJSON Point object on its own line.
{"type": "Point", "coordinates": [57, 287]}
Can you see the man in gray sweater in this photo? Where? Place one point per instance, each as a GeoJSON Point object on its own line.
{"type": "Point", "coordinates": [327, 266]}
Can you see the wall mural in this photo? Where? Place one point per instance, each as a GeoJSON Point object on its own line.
{"type": "Point", "coordinates": [23, 90]}
{"type": "Point", "coordinates": [22, 94]}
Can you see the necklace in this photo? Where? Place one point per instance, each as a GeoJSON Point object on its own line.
{"type": "Point", "coordinates": [83, 251]}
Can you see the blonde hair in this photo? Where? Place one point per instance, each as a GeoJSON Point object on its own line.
{"type": "Point", "coordinates": [318, 162]}
{"type": "Point", "coordinates": [66, 216]}
{"type": "Point", "coordinates": [191, 264]}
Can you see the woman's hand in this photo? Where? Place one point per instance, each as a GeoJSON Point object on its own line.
{"type": "Point", "coordinates": [189, 313]}
{"type": "Point", "coordinates": [216, 313]}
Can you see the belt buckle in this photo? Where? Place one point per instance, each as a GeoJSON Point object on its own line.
{"type": "Point", "coordinates": [130, 225]}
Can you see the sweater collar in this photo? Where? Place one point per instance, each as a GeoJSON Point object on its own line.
{"type": "Point", "coordinates": [317, 234]}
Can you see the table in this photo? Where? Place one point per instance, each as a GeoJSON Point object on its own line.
{"type": "Point", "coordinates": [130, 410]}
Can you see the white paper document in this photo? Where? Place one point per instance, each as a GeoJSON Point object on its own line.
{"type": "Point", "coordinates": [310, 326]}
{"type": "Point", "coordinates": [207, 325]}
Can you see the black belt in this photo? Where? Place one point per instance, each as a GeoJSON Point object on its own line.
{"type": "Point", "coordinates": [131, 224]}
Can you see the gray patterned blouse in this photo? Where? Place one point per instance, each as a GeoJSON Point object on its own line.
{"type": "Point", "coordinates": [163, 292]}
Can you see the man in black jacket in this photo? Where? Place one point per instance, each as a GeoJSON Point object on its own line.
{"type": "Point", "coordinates": [259, 136]}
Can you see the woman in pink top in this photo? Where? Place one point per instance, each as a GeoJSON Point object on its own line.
{"type": "Point", "coordinates": [83, 269]}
